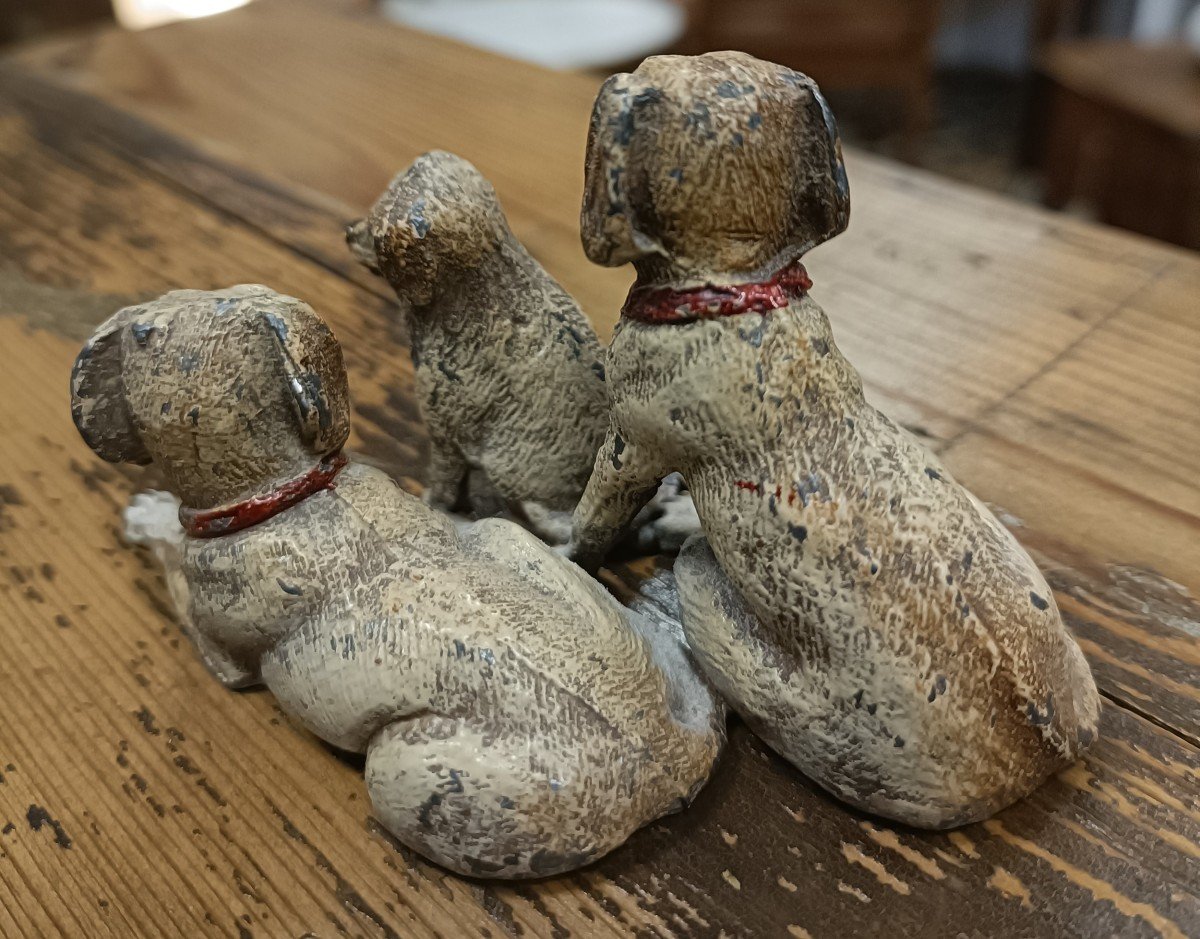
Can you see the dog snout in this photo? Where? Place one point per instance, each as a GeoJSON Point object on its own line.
{"type": "Point", "coordinates": [362, 244]}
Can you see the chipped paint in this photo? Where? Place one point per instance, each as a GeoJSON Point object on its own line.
{"type": "Point", "coordinates": [1009, 885]}
{"type": "Point", "coordinates": [855, 855]}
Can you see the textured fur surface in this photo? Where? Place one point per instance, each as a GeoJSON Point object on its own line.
{"type": "Point", "coordinates": [517, 721]}
{"type": "Point", "coordinates": [867, 615]}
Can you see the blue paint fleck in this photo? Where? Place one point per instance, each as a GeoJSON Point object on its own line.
{"type": "Point", "coordinates": [416, 218]}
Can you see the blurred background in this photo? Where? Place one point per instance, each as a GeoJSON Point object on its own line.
{"type": "Point", "coordinates": [1088, 106]}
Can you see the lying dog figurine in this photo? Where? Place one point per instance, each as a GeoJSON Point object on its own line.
{"type": "Point", "coordinates": [869, 618]}
{"type": "Point", "coordinates": [517, 721]}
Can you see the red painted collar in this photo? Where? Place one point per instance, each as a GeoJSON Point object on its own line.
{"type": "Point", "coordinates": [665, 305]}
{"type": "Point", "coordinates": [209, 523]}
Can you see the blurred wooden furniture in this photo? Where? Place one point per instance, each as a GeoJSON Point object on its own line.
{"type": "Point", "coordinates": [1051, 363]}
{"type": "Point", "coordinates": [1051, 21]}
{"type": "Point", "coordinates": [1124, 132]}
{"type": "Point", "coordinates": [1061, 19]}
{"type": "Point", "coordinates": [841, 43]}
{"type": "Point", "coordinates": [28, 19]}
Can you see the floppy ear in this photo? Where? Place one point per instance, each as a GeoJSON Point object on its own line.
{"type": "Point", "coordinates": [98, 404]}
{"type": "Point", "coordinates": [611, 231]}
{"type": "Point", "coordinates": [311, 360]}
{"type": "Point", "coordinates": [826, 206]}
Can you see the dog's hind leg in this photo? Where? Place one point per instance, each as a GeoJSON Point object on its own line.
{"type": "Point", "coordinates": [494, 801]}
{"type": "Point", "coordinates": [847, 749]}
{"type": "Point", "coordinates": [716, 622]}
{"type": "Point", "coordinates": [725, 638]}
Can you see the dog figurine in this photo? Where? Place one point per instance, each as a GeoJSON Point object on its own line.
{"type": "Point", "coordinates": [866, 615]}
{"type": "Point", "coordinates": [510, 373]}
{"type": "Point", "coordinates": [517, 721]}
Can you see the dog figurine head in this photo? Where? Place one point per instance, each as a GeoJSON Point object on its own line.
{"type": "Point", "coordinates": [228, 391]}
{"type": "Point", "coordinates": [437, 217]}
{"type": "Point", "coordinates": [730, 165]}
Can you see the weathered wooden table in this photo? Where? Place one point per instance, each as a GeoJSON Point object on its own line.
{"type": "Point", "coordinates": [1054, 365]}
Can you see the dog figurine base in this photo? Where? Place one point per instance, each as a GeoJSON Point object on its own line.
{"type": "Point", "coordinates": [517, 721]}
{"type": "Point", "coordinates": [865, 614]}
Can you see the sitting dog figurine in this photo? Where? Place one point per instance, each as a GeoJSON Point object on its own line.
{"type": "Point", "coordinates": [517, 721]}
{"type": "Point", "coordinates": [510, 374]}
{"type": "Point", "coordinates": [869, 618]}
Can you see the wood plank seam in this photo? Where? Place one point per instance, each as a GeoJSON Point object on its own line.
{"type": "Point", "coordinates": [1129, 705]}
{"type": "Point", "coordinates": [976, 423]}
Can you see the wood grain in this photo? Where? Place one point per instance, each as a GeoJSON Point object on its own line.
{"type": "Point", "coordinates": [1051, 362]}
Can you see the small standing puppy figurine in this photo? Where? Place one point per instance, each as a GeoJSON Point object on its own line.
{"type": "Point", "coordinates": [869, 618]}
{"type": "Point", "coordinates": [517, 721]}
{"type": "Point", "coordinates": [510, 374]}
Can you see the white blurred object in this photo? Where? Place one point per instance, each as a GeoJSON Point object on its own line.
{"type": "Point", "coordinates": [557, 34]}
{"type": "Point", "coordinates": [1191, 32]}
{"type": "Point", "coordinates": [142, 14]}
{"type": "Point", "coordinates": [1156, 20]}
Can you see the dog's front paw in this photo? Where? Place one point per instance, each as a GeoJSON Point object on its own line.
{"type": "Point", "coordinates": [672, 519]}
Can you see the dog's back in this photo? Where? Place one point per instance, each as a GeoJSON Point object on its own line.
{"type": "Point", "coordinates": [252, 588]}
{"type": "Point", "coordinates": [511, 374]}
